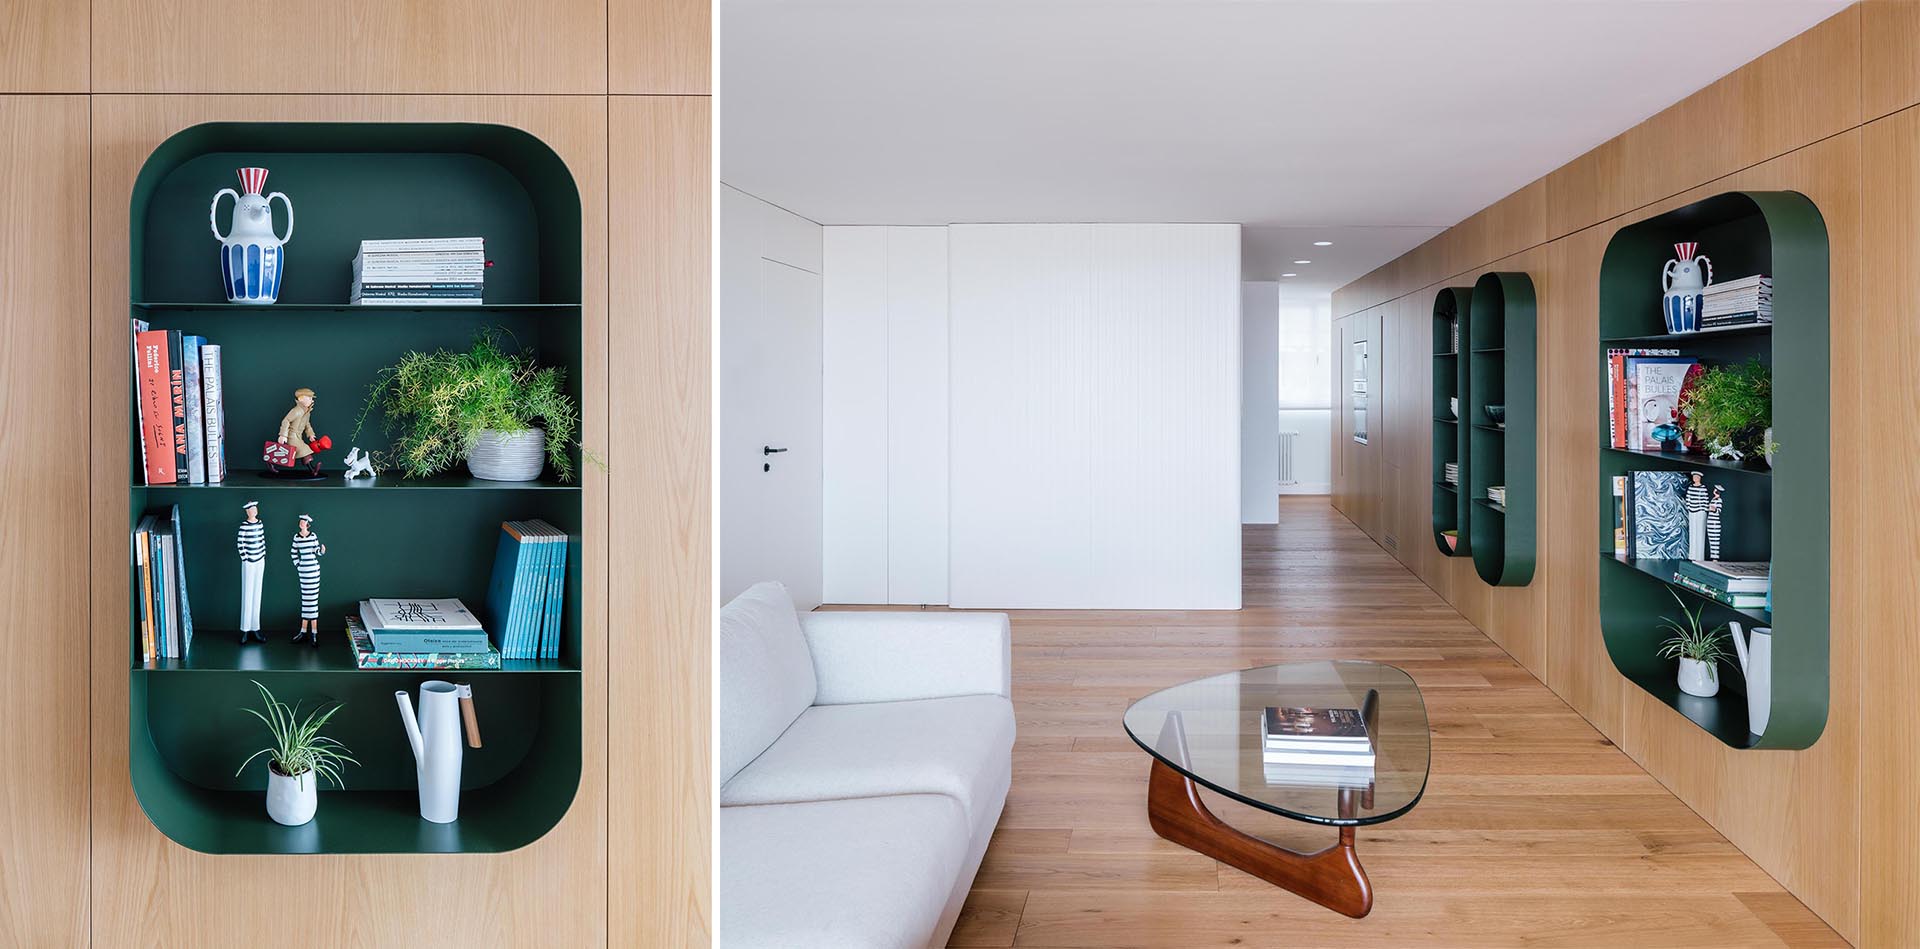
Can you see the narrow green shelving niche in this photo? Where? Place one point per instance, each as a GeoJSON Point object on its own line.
{"type": "Point", "coordinates": [390, 537]}
{"type": "Point", "coordinates": [1451, 511]}
{"type": "Point", "coordinates": [1778, 513]}
{"type": "Point", "coordinates": [1501, 373]}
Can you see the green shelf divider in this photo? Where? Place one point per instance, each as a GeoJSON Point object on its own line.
{"type": "Point", "coordinates": [1501, 371]}
{"type": "Point", "coordinates": [1779, 514]}
{"type": "Point", "coordinates": [387, 537]}
{"type": "Point", "coordinates": [1452, 510]}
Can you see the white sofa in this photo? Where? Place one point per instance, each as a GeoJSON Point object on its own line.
{"type": "Point", "coordinates": [864, 760]}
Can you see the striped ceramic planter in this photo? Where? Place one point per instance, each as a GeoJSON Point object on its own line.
{"type": "Point", "coordinates": [508, 456]}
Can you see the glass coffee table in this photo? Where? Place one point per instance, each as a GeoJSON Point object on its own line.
{"type": "Point", "coordinates": [1209, 732]}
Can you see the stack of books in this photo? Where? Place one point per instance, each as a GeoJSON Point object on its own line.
{"type": "Point", "coordinates": [528, 589]}
{"type": "Point", "coordinates": [1744, 302]}
{"type": "Point", "coordinates": [1452, 474]}
{"type": "Point", "coordinates": [1643, 390]}
{"type": "Point", "coordinates": [1743, 585]}
{"type": "Point", "coordinates": [437, 271]}
{"type": "Point", "coordinates": [1497, 494]}
{"type": "Point", "coordinates": [419, 634]}
{"type": "Point", "coordinates": [160, 576]}
{"type": "Point", "coordinates": [183, 418]}
{"type": "Point", "coordinates": [1316, 747]}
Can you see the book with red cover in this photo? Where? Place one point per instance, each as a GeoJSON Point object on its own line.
{"type": "Point", "coordinates": [152, 372]}
{"type": "Point", "coordinates": [177, 398]}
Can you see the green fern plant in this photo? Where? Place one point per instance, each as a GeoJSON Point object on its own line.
{"type": "Point", "coordinates": [1692, 639]}
{"type": "Point", "coordinates": [1731, 405]}
{"type": "Point", "coordinates": [437, 404]}
{"type": "Point", "coordinates": [298, 747]}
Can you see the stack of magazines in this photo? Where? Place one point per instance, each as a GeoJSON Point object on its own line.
{"type": "Point", "coordinates": [1452, 472]}
{"type": "Point", "coordinates": [1747, 301]}
{"type": "Point", "coordinates": [1497, 494]}
{"type": "Point", "coordinates": [1316, 747]}
{"type": "Point", "coordinates": [419, 634]}
{"type": "Point", "coordinates": [434, 271]}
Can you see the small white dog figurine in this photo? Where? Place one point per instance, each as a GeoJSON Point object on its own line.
{"type": "Point", "coordinates": [359, 464]}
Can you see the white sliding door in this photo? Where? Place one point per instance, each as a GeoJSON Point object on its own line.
{"type": "Point", "coordinates": [1095, 416]}
{"type": "Point", "coordinates": [917, 415]}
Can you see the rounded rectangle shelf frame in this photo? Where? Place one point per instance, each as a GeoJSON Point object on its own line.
{"type": "Point", "coordinates": [430, 537]}
{"type": "Point", "coordinates": [1778, 514]}
{"type": "Point", "coordinates": [1451, 508]}
{"type": "Point", "coordinates": [1501, 372]}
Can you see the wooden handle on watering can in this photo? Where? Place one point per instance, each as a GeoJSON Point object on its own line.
{"type": "Point", "coordinates": [469, 717]}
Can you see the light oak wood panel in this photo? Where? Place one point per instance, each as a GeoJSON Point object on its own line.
{"type": "Point", "coordinates": [1803, 90]}
{"type": "Point", "coordinates": [1889, 56]}
{"type": "Point", "coordinates": [660, 833]}
{"type": "Point", "coordinates": [1576, 665]}
{"type": "Point", "coordinates": [1533, 828]}
{"type": "Point", "coordinates": [1797, 813]}
{"type": "Point", "coordinates": [43, 46]}
{"type": "Point", "coordinates": [43, 513]}
{"type": "Point", "coordinates": [659, 47]}
{"type": "Point", "coordinates": [1506, 227]}
{"type": "Point", "coordinates": [147, 890]}
{"type": "Point", "coordinates": [1875, 361]}
{"type": "Point", "coordinates": [359, 46]}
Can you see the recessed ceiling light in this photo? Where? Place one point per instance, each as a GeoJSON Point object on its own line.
{"type": "Point", "coordinates": [1289, 275]}
{"type": "Point", "coordinates": [1303, 261]}
{"type": "Point", "coordinates": [1323, 243]}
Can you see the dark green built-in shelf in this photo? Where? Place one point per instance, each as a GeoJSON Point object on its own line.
{"type": "Point", "coordinates": [1500, 371]}
{"type": "Point", "coordinates": [1780, 513]}
{"type": "Point", "coordinates": [391, 536]}
{"type": "Point", "coordinates": [1451, 511]}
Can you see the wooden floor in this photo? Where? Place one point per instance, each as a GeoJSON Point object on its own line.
{"type": "Point", "coordinates": [1534, 831]}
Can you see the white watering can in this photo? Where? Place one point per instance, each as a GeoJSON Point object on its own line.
{"type": "Point", "coordinates": [1756, 663]}
{"type": "Point", "coordinates": [435, 737]}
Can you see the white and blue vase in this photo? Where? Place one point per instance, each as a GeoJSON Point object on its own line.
{"type": "Point", "coordinates": [252, 258]}
{"type": "Point", "coordinates": [1684, 281]}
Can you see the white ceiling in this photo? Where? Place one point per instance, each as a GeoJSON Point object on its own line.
{"type": "Point", "coordinates": [1372, 123]}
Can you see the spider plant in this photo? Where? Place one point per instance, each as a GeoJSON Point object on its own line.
{"type": "Point", "coordinates": [298, 747]}
{"type": "Point", "coordinates": [1691, 639]}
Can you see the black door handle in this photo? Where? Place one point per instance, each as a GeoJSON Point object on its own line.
{"type": "Point", "coordinates": [770, 450]}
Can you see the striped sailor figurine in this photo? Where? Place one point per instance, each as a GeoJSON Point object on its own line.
{"type": "Point", "coordinates": [252, 544]}
{"type": "Point", "coordinates": [307, 551]}
{"type": "Point", "coordinates": [1714, 508]}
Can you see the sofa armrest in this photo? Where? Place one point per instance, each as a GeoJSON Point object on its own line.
{"type": "Point", "coordinates": [892, 657]}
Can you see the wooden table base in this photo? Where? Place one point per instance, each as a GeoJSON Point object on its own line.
{"type": "Point", "coordinates": [1331, 877]}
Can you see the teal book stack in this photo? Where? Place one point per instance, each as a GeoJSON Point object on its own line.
{"type": "Point", "coordinates": [526, 595]}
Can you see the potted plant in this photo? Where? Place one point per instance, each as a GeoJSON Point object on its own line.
{"type": "Point", "coordinates": [1731, 407]}
{"type": "Point", "coordinates": [297, 759]}
{"type": "Point", "coordinates": [1698, 648]}
{"type": "Point", "coordinates": [497, 411]}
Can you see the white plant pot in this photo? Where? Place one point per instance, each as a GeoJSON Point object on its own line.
{"type": "Point", "coordinates": [1698, 678]}
{"type": "Point", "coordinates": [292, 801]}
{"type": "Point", "coordinates": [508, 456]}
{"type": "Point", "coordinates": [1766, 445]}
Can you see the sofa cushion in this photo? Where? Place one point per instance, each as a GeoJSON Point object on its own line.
{"type": "Point", "coordinates": [869, 873]}
{"type": "Point", "coordinates": [961, 747]}
{"type": "Point", "coordinates": [766, 673]}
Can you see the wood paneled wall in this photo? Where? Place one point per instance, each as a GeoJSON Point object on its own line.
{"type": "Point", "coordinates": [628, 866]}
{"type": "Point", "coordinates": [1831, 114]}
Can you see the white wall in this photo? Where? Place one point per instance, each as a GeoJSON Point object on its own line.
{"type": "Point", "coordinates": [885, 426]}
{"type": "Point", "coordinates": [1259, 400]}
{"type": "Point", "coordinates": [1094, 416]}
{"type": "Point", "coordinates": [1306, 374]}
{"type": "Point", "coordinates": [770, 394]}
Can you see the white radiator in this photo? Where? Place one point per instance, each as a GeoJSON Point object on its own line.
{"type": "Point", "coordinates": [1287, 474]}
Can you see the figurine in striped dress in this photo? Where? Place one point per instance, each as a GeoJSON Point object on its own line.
{"type": "Point", "coordinates": [307, 551]}
{"type": "Point", "coordinates": [252, 544]}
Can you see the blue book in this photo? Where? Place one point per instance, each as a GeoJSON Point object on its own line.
{"type": "Point", "coordinates": [184, 641]}
{"type": "Point", "coordinates": [162, 618]}
{"type": "Point", "coordinates": [556, 589]}
{"type": "Point", "coordinates": [196, 409]}
{"type": "Point", "coordinates": [508, 589]}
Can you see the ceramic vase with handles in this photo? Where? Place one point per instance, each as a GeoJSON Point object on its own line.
{"type": "Point", "coordinates": [252, 258]}
{"type": "Point", "coordinates": [1683, 282]}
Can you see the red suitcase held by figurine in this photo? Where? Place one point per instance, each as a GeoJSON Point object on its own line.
{"type": "Point", "coordinates": [281, 456]}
